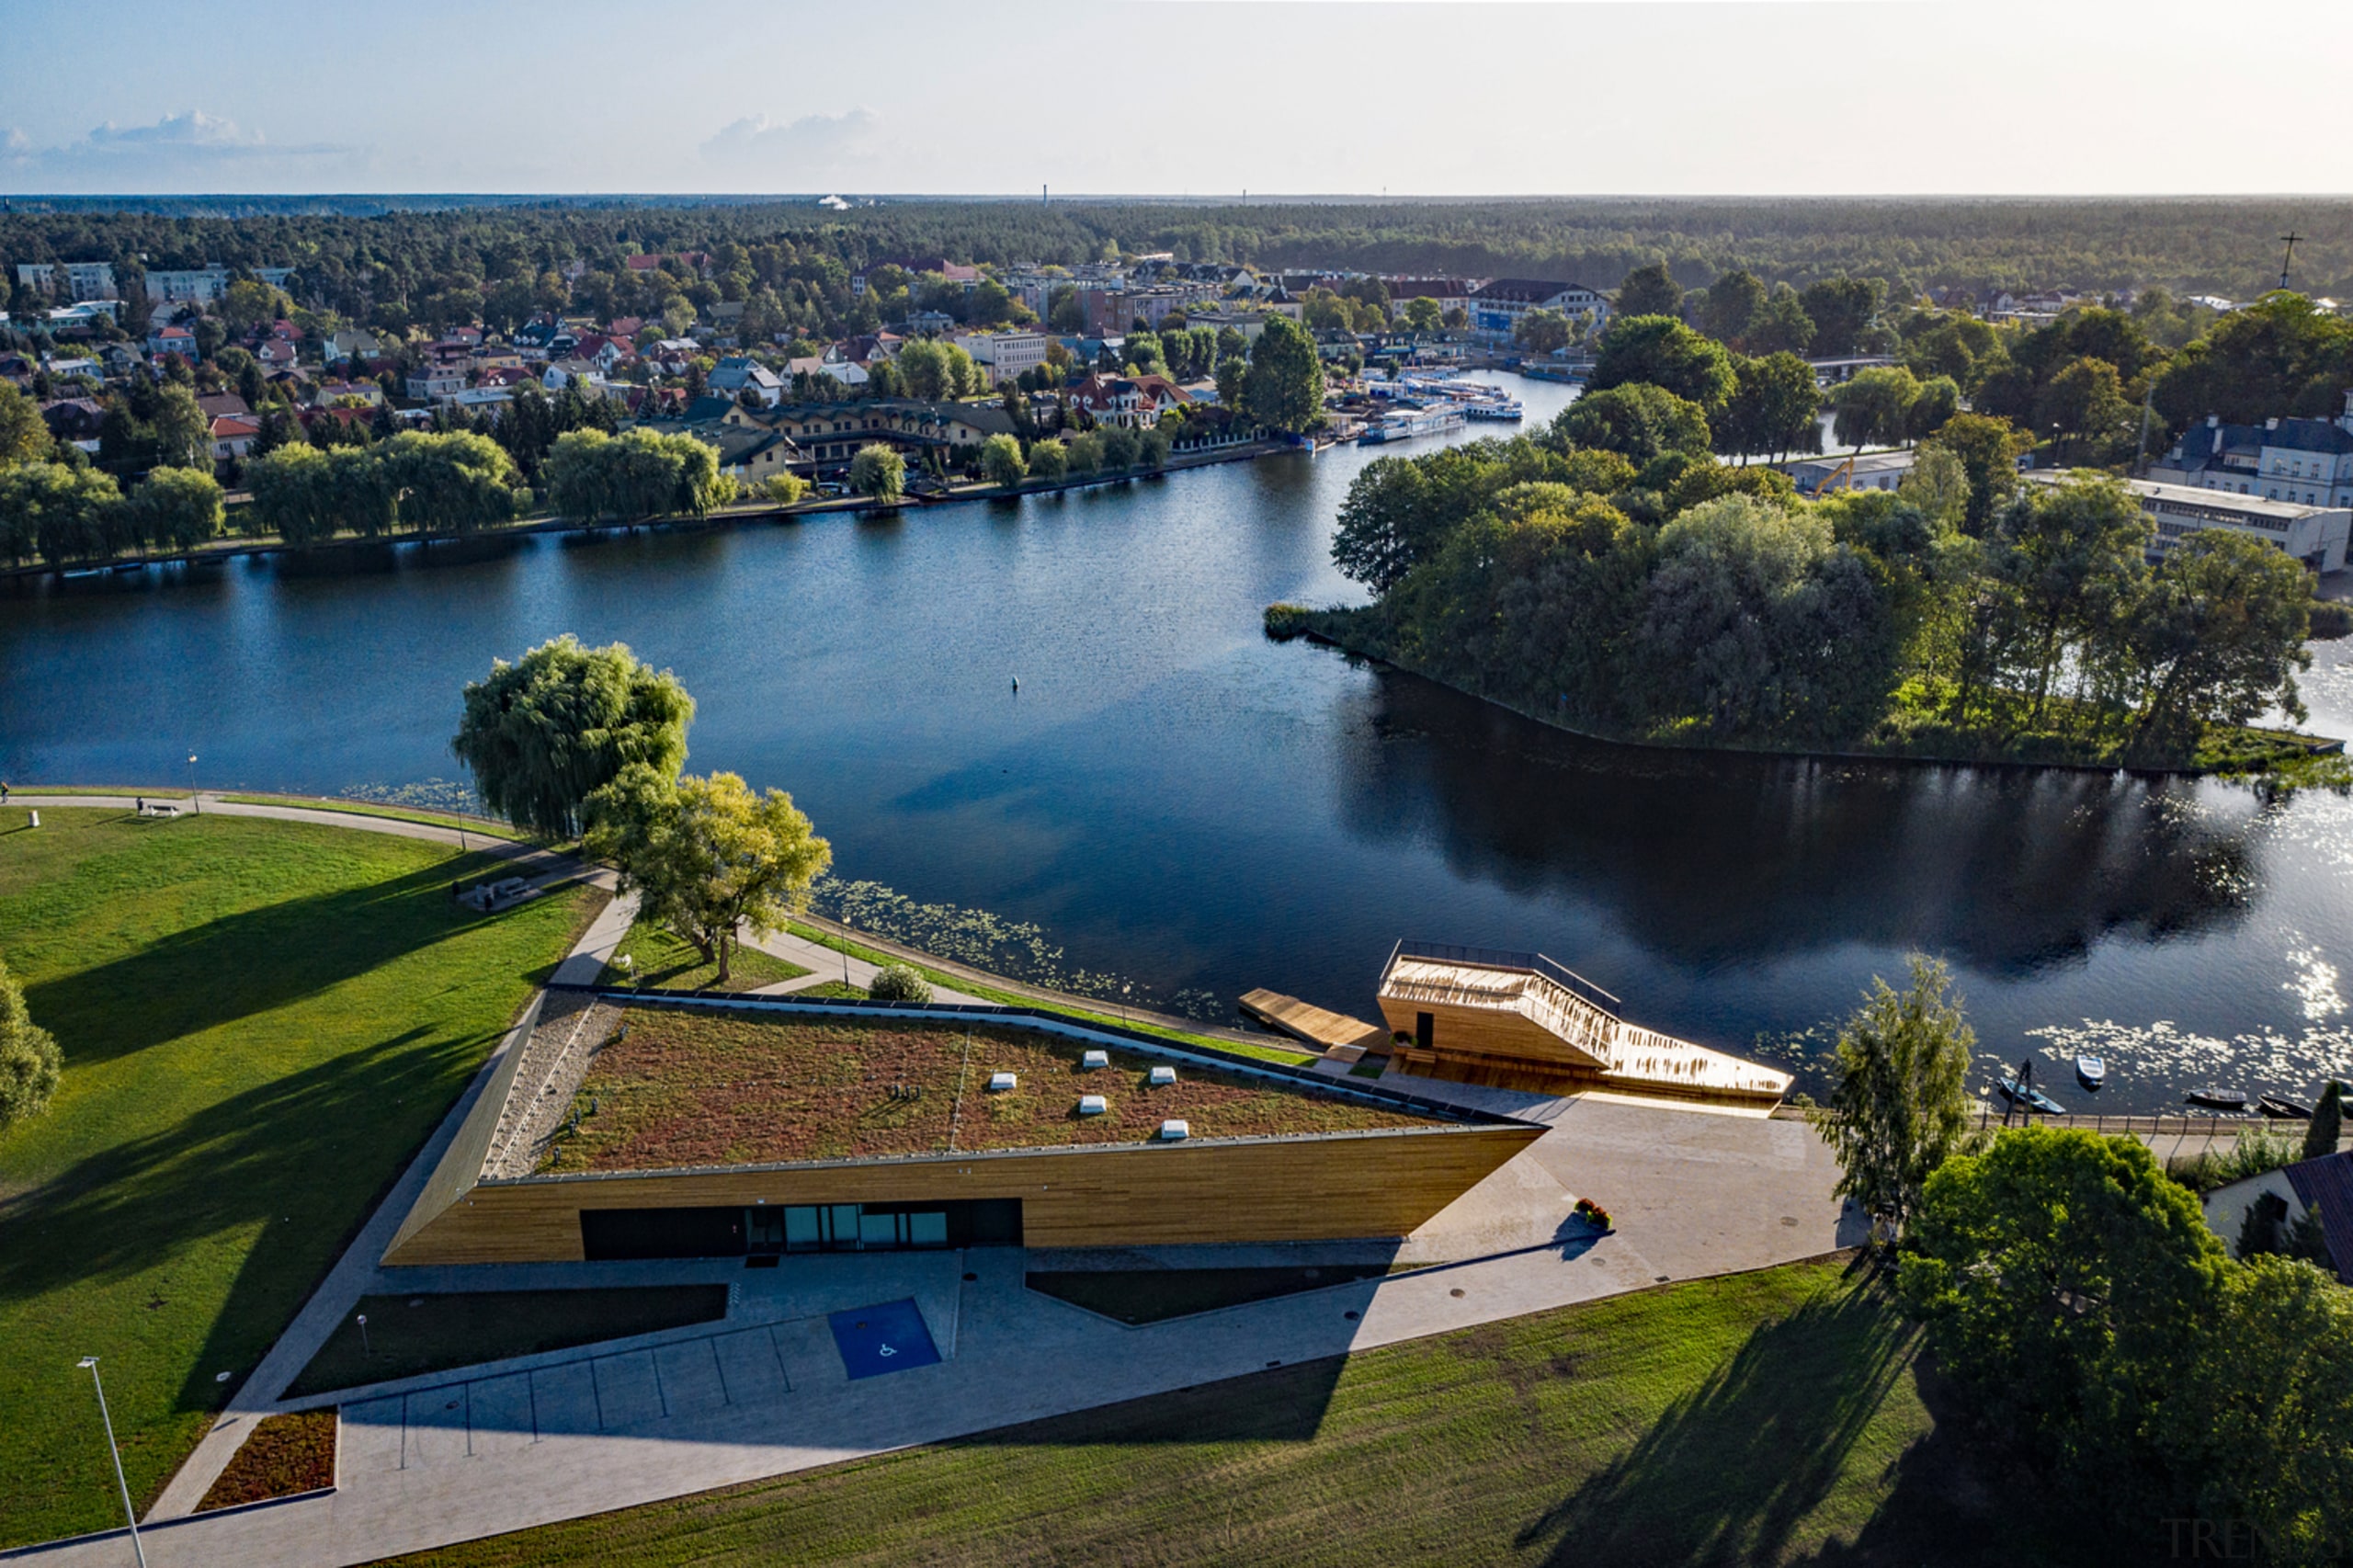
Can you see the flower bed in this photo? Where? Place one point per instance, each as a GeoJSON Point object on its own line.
{"type": "Point", "coordinates": [283, 1457]}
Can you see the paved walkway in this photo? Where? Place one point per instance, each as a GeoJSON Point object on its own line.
{"type": "Point", "coordinates": [824, 964]}
{"type": "Point", "coordinates": [438, 1460]}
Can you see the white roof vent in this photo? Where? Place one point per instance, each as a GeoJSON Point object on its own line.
{"type": "Point", "coordinates": [1095, 1059]}
{"type": "Point", "coordinates": [1176, 1128]}
{"type": "Point", "coordinates": [1092, 1105]}
{"type": "Point", "coordinates": [1000, 1081]}
{"type": "Point", "coordinates": [1164, 1075]}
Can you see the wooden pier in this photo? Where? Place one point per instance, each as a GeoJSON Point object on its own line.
{"type": "Point", "coordinates": [1335, 1034]}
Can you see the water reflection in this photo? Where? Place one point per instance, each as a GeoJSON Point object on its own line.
{"type": "Point", "coordinates": [1706, 859]}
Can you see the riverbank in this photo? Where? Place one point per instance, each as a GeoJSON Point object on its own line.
{"type": "Point", "coordinates": [2228, 752]}
{"type": "Point", "coordinates": [228, 549]}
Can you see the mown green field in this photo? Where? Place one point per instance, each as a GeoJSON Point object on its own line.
{"type": "Point", "coordinates": [261, 1022]}
{"type": "Point", "coordinates": [1774, 1418]}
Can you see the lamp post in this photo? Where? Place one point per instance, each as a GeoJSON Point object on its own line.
{"type": "Point", "coordinates": [365, 1349]}
{"type": "Point", "coordinates": [194, 799]}
{"type": "Point", "coordinates": [90, 1364]}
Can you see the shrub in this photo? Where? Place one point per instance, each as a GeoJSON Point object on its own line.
{"type": "Point", "coordinates": [2331, 620]}
{"type": "Point", "coordinates": [1049, 459]}
{"type": "Point", "coordinates": [1285, 621]}
{"type": "Point", "coordinates": [1593, 1213]}
{"type": "Point", "coordinates": [899, 983]}
{"type": "Point", "coordinates": [2256, 1151]}
{"type": "Point", "coordinates": [30, 1063]}
{"type": "Point", "coordinates": [784, 489]}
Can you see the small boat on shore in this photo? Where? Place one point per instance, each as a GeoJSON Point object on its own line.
{"type": "Point", "coordinates": [2281, 1107]}
{"type": "Point", "coordinates": [2026, 1095]}
{"type": "Point", "coordinates": [2230, 1100]}
{"type": "Point", "coordinates": [2091, 1072]}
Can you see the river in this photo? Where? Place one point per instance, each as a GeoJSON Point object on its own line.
{"type": "Point", "coordinates": [1177, 801]}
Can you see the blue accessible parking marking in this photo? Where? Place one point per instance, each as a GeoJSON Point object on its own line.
{"type": "Point", "coordinates": [886, 1338]}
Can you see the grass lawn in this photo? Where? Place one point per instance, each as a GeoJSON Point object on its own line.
{"type": "Point", "coordinates": [1289, 1058]}
{"type": "Point", "coordinates": [1764, 1419]}
{"type": "Point", "coordinates": [660, 962]}
{"type": "Point", "coordinates": [690, 1086]}
{"type": "Point", "coordinates": [261, 1021]}
{"type": "Point", "coordinates": [410, 1336]}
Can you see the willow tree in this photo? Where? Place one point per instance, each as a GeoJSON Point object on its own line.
{"type": "Point", "coordinates": [1901, 1107]}
{"type": "Point", "coordinates": [544, 733]}
{"type": "Point", "coordinates": [708, 857]}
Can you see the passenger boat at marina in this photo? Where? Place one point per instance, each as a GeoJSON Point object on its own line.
{"type": "Point", "coordinates": [1408, 422]}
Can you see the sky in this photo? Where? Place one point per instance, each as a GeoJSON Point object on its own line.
{"type": "Point", "coordinates": [1176, 98]}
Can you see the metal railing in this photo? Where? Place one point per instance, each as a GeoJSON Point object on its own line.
{"type": "Point", "coordinates": [1504, 958]}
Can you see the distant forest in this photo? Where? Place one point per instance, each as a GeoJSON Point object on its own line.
{"type": "Point", "coordinates": [2228, 247]}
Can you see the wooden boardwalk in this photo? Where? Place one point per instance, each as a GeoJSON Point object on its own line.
{"type": "Point", "coordinates": [1335, 1034]}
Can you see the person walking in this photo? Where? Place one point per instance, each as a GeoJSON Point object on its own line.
{"type": "Point", "coordinates": [140, 801]}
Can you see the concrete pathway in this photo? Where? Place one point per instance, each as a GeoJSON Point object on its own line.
{"type": "Point", "coordinates": [438, 1460]}
{"type": "Point", "coordinates": [824, 964]}
{"type": "Point", "coordinates": [435, 1460]}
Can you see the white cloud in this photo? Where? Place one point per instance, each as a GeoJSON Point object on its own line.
{"type": "Point", "coordinates": [170, 153]}
{"type": "Point", "coordinates": [801, 154]}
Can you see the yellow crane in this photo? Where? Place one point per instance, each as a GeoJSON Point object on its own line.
{"type": "Point", "coordinates": [1841, 477]}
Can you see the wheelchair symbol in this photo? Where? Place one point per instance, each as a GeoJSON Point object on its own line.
{"type": "Point", "coordinates": [886, 1350]}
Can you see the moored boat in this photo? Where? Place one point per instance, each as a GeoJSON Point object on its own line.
{"type": "Point", "coordinates": [2091, 1072]}
{"type": "Point", "coordinates": [2282, 1108]}
{"type": "Point", "coordinates": [2217, 1099]}
{"type": "Point", "coordinates": [2026, 1095]}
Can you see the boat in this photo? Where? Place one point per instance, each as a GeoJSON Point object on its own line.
{"type": "Point", "coordinates": [1406, 423]}
{"type": "Point", "coordinates": [2217, 1099]}
{"type": "Point", "coordinates": [2091, 1072]}
{"type": "Point", "coordinates": [2281, 1107]}
{"type": "Point", "coordinates": [1504, 408]}
{"type": "Point", "coordinates": [2026, 1095]}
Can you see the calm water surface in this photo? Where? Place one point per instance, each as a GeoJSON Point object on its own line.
{"type": "Point", "coordinates": [1176, 799]}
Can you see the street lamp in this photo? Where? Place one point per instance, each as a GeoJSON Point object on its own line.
{"type": "Point", "coordinates": [90, 1364]}
{"type": "Point", "coordinates": [365, 1349]}
{"type": "Point", "coordinates": [194, 798]}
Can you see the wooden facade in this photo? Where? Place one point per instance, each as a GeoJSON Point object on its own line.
{"type": "Point", "coordinates": [1319, 1187]}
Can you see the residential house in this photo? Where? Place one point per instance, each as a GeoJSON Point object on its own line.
{"type": "Point", "coordinates": [326, 394]}
{"type": "Point", "coordinates": [846, 372]}
{"type": "Point", "coordinates": [2321, 1189]}
{"type": "Point", "coordinates": [74, 420]}
{"type": "Point", "coordinates": [177, 340]}
{"type": "Point", "coordinates": [233, 436]}
{"type": "Point", "coordinates": [1136, 401]}
{"type": "Point", "coordinates": [737, 374]}
{"type": "Point", "coordinates": [223, 406]}
{"type": "Point", "coordinates": [434, 383]}
{"type": "Point", "coordinates": [276, 354]}
{"type": "Point", "coordinates": [1451, 294]}
{"type": "Point", "coordinates": [351, 343]}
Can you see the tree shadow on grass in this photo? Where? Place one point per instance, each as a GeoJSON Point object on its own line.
{"type": "Point", "coordinates": [250, 962]}
{"type": "Point", "coordinates": [1729, 1471]}
{"type": "Point", "coordinates": [297, 1160]}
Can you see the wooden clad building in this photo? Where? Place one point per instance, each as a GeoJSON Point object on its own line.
{"type": "Point", "coordinates": [1521, 1021]}
{"type": "Point", "coordinates": [1380, 1164]}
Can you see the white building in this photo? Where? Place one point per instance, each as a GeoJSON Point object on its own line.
{"type": "Point", "coordinates": [2316, 535]}
{"type": "Point", "coordinates": [1005, 355]}
{"type": "Point", "coordinates": [2309, 460]}
{"type": "Point", "coordinates": [84, 280]}
{"type": "Point", "coordinates": [194, 286]}
{"type": "Point", "coordinates": [436, 383]}
{"type": "Point", "coordinates": [1499, 306]}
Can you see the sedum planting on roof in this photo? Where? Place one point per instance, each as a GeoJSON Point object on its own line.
{"type": "Point", "coordinates": [691, 1087]}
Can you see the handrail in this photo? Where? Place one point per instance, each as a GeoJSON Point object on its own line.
{"type": "Point", "coordinates": [1504, 958]}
